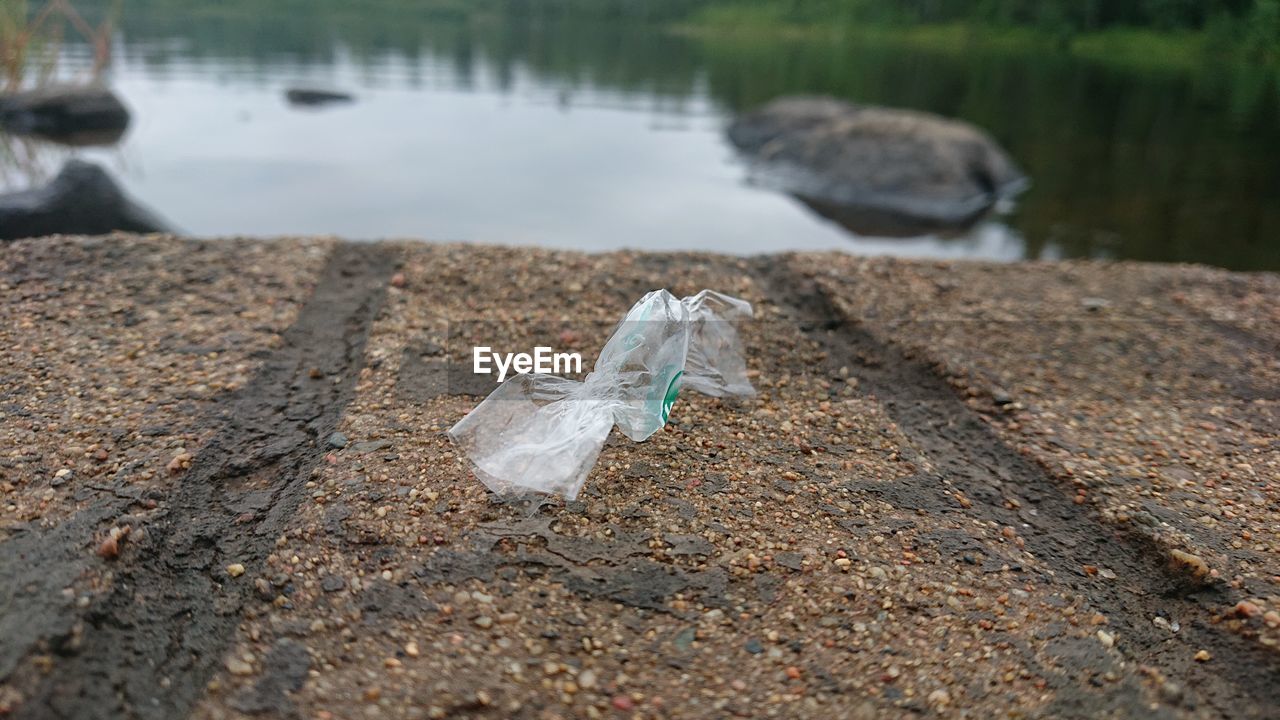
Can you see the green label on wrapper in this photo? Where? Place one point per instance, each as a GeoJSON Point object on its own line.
{"type": "Point", "coordinates": [668, 400]}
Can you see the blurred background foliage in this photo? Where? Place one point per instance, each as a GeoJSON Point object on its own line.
{"type": "Point", "coordinates": [1150, 127]}
{"type": "Point", "coordinates": [1246, 29]}
{"type": "Point", "coordinates": [32, 35]}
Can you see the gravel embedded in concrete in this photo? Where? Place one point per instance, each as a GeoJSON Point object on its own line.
{"type": "Point", "coordinates": [832, 547]}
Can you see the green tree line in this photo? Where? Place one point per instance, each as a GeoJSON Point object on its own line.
{"type": "Point", "coordinates": [1252, 24]}
{"type": "Point", "coordinates": [1084, 15]}
{"type": "Point", "coordinates": [1249, 28]}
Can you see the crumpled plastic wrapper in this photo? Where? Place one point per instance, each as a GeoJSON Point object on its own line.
{"type": "Point", "coordinates": [543, 433]}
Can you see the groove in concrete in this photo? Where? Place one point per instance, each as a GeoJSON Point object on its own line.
{"type": "Point", "coordinates": [149, 646]}
{"type": "Point", "coordinates": [1244, 679]}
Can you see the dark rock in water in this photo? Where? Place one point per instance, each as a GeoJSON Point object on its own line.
{"type": "Point", "coordinates": [790, 116]}
{"type": "Point", "coordinates": [878, 171]}
{"type": "Point", "coordinates": [310, 98]}
{"type": "Point", "coordinates": [105, 137]}
{"type": "Point", "coordinates": [81, 200]}
{"type": "Point", "coordinates": [75, 114]}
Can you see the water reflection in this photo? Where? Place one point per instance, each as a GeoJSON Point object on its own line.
{"type": "Point", "coordinates": [23, 161]}
{"type": "Point", "coordinates": [40, 130]}
{"type": "Point", "coordinates": [574, 134]}
{"type": "Point", "coordinates": [873, 222]}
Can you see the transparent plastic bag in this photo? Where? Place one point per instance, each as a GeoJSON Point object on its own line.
{"type": "Point", "coordinates": [543, 433]}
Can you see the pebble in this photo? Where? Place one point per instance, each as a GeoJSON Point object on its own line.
{"type": "Point", "coordinates": [1203, 656]}
{"type": "Point", "coordinates": [1271, 618]}
{"type": "Point", "coordinates": [587, 679]}
{"type": "Point", "coordinates": [264, 590]}
{"type": "Point", "coordinates": [235, 570]}
{"type": "Point", "coordinates": [411, 649]}
{"type": "Point", "coordinates": [622, 702]}
{"type": "Point", "coordinates": [1194, 563]}
{"type": "Point", "coordinates": [1171, 692]}
{"type": "Point", "coordinates": [753, 646]}
{"type": "Point", "coordinates": [180, 462]}
{"type": "Point", "coordinates": [1106, 638]}
{"type": "Point", "coordinates": [940, 698]}
{"type": "Point", "coordinates": [236, 666]}
{"type": "Point", "coordinates": [484, 621]}
{"type": "Point", "coordinates": [109, 548]}
{"type": "Point", "coordinates": [337, 441]}
{"type": "Point", "coordinates": [1244, 608]}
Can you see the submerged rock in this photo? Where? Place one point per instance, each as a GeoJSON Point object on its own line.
{"type": "Point", "coordinates": [309, 97]}
{"type": "Point", "coordinates": [81, 200]}
{"type": "Point", "coordinates": [877, 171]}
{"type": "Point", "coordinates": [74, 114]}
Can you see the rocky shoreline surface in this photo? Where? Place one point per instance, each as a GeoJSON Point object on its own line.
{"type": "Point", "coordinates": [969, 489]}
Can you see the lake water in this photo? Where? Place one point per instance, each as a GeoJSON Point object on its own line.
{"type": "Point", "coordinates": [599, 136]}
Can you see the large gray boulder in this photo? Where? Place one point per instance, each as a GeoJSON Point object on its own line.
{"type": "Point", "coordinates": [81, 200]}
{"type": "Point", "coordinates": [896, 172]}
{"type": "Point", "coordinates": [73, 113]}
